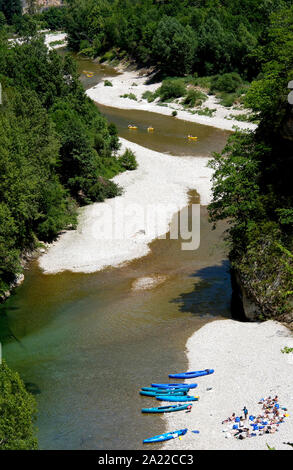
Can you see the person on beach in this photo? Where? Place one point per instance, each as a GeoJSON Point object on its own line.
{"type": "Point", "coordinates": [245, 411]}
{"type": "Point", "coordinates": [228, 420]}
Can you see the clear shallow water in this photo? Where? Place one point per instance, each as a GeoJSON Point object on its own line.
{"type": "Point", "coordinates": [169, 136]}
{"type": "Point", "coordinates": [86, 343]}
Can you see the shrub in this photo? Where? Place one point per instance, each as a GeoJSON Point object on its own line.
{"type": "Point", "coordinates": [206, 112]}
{"type": "Point", "coordinates": [171, 89]}
{"type": "Point", "coordinates": [149, 96]}
{"type": "Point", "coordinates": [17, 412]}
{"type": "Point", "coordinates": [131, 96]}
{"type": "Point", "coordinates": [174, 113]}
{"type": "Point", "coordinates": [128, 160]}
{"type": "Point", "coordinates": [227, 99]}
{"type": "Point", "coordinates": [107, 83]}
{"type": "Point", "coordinates": [203, 82]}
{"type": "Point", "coordinates": [103, 189]}
{"type": "Point", "coordinates": [194, 98]}
{"type": "Point", "coordinates": [228, 82]}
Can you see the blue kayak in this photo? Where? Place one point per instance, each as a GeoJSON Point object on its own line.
{"type": "Point", "coordinates": [174, 385]}
{"type": "Point", "coordinates": [165, 390]}
{"type": "Point", "coordinates": [165, 409]}
{"type": "Point", "coordinates": [169, 394]}
{"type": "Point", "coordinates": [165, 437]}
{"type": "Point", "coordinates": [178, 398]}
{"type": "Point", "coordinates": [192, 375]}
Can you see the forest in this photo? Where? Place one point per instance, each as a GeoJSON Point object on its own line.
{"type": "Point", "coordinates": [57, 151]}
{"type": "Point", "coordinates": [252, 186]}
{"type": "Point", "coordinates": [203, 36]}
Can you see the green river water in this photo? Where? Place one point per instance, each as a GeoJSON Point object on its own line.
{"type": "Point", "coordinates": [86, 343]}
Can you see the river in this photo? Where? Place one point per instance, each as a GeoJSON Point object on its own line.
{"type": "Point", "coordinates": [86, 343]}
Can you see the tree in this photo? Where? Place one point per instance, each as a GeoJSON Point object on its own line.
{"type": "Point", "coordinates": [174, 46]}
{"type": "Point", "coordinates": [11, 8]}
{"type": "Point", "coordinates": [25, 25]}
{"type": "Point", "coordinates": [17, 412]}
{"type": "Point", "coordinates": [2, 20]}
{"type": "Point", "coordinates": [252, 185]}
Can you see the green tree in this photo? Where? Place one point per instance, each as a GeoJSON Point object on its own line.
{"type": "Point", "coordinates": [174, 46]}
{"type": "Point", "coordinates": [10, 8]}
{"type": "Point", "coordinates": [128, 160]}
{"type": "Point", "coordinates": [252, 185]}
{"type": "Point", "coordinates": [17, 412]}
{"type": "Point", "coordinates": [2, 20]}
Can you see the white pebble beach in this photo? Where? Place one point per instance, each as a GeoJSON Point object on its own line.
{"type": "Point", "coordinates": [132, 82]}
{"type": "Point", "coordinates": [159, 186]}
{"type": "Point", "coordinates": [248, 366]}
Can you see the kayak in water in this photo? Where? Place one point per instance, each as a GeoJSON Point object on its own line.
{"type": "Point", "coordinates": [166, 409]}
{"type": "Point", "coordinates": [167, 393]}
{"type": "Point", "coordinates": [165, 437]}
{"type": "Point", "coordinates": [174, 385]}
{"type": "Point", "coordinates": [165, 390]}
{"type": "Point", "coordinates": [192, 375]}
{"type": "Point", "coordinates": [178, 398]}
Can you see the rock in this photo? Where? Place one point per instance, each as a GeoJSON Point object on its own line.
{"type": "Point", "coordinates": [19, 279]}
{"type": "Point", "coordinates": [243, 307]}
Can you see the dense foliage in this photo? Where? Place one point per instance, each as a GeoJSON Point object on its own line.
{"type": "Point", "coordinates": [206, 36]}
{"type": "Point", "coordinates": [17, 412]}
{"type": "Point", "coordinates": [11, 8]}
{"type": "Point", "coordinates": [252, 181]}
{"type": "Point", "coordinates": [55, 149]}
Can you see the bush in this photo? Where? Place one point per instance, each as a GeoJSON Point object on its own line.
{"type": "Point", "coordinates": [17, 412]}
{"type": "Point", "coordinates": [107, 83]}
{"type": "Point", "coordinates": [109, 56]}
{"type": "Point", "coordinates": [149, 96]}
{"type": "Point", "coordinates": [102, 189]}
{"type": "Point", "coordinates": [174, 113]}
{"type": "Point", "coordinates": [128, 160]}
{"type": "Point", "coordinates": [228, 82]}
{"type": "Point", "coordinates": [130, 96]}
{"type": "Point", "coordinates": [171, 89]}
{"type": "Point", "coordinates": [203, 82]}
{"type": "Point", "coordinates": [194, 98]}
{"type": "Point", "coordinates": [206, 112]}
{"type": "Point", "coordinates": [227, 99]}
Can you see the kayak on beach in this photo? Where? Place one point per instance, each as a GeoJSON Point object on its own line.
{"type": "Point", "coordinates": [167, 393]}
{"type": "Point", "coordinates": [178, 398]}
{"type": "Point", "coordinates": [166, 436]}
{"type": "Point", "coordinates": [165, 390]}
{"type": "Point", "coordinates": [174, 385]}
{"type": "Point", "coordinates": [166, 409]}
{"type": "Point", "coordinates": [191, 375]}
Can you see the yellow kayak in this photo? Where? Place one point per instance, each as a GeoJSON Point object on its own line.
{"type": "Point", "coordinates": [150, 129]}
{"type": "Point", "coordinates": [191, 137]}
{"type": "Point", "coordinates": [132, 127]}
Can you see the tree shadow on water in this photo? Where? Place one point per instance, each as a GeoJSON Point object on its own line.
{"type": "Point", "coordinates": [211, 295]}
{"type": "Point", "coordinates": [6, 334]}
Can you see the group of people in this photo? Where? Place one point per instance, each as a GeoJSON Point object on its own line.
{"type": "Point", "coordinates": [268, 422]}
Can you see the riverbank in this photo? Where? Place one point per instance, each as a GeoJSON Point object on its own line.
{"type": "Point", "coordinates": [134, 82]}
{"type": "Point", "coordinates": [248, 365]}
{"type": "Point", "coordinates": [55, 40]}
{"type": "Point", "coordinates": [121, 229]}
